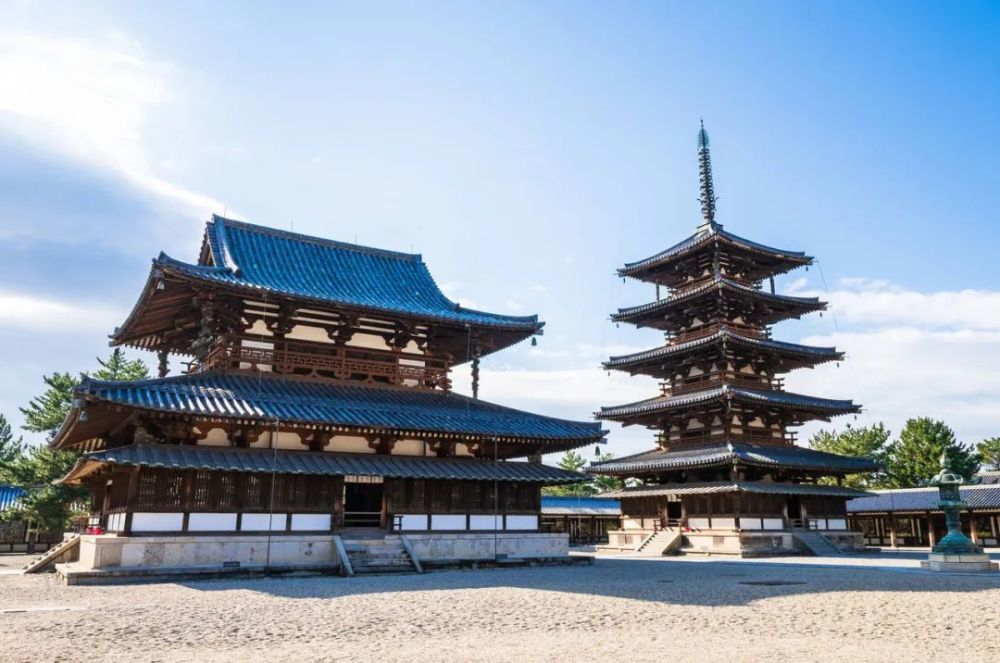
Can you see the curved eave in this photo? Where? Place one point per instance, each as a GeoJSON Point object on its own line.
{"type": "Point", "coordinates": [801, 355]}
{"type": "Point", "coordinates": [777, 400]}
{"type": "Point", "coordinates": [223, 277]}
{"type": "Point", "coordinates": [787, 458]}
{"type": "Point", "coordinates": [653, 310]}
{"type": "Point", "coordinates": [190, 403]}
{"type": "Point", "coordinates": [648, 268]}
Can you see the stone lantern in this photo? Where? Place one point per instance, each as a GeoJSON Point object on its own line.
{"type": "Point", "coordinates": [956, 551]}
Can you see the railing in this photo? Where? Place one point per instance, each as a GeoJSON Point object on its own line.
{"type": "Point", "coordinates": [709, 380]}
{"type": "Point", "coordinates": [343, 362]}
{"type": "Point", "coordinates": [752, 435]}
{"type": "Point", "coordinates": [708, 330]}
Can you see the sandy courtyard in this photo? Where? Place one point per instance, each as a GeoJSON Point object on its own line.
{"type": "Point", "coordinates": [616, 610]}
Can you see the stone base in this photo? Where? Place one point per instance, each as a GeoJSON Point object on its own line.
{"type": "Point", "coordinates": [485, 546]}
{"type": "Point", "coordinates": [964, 563]}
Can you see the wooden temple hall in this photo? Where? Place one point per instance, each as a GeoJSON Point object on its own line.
{"type": "Point", "coordinates": [726, 475]}
{"type": "Point", "coordinates": [313, 400]}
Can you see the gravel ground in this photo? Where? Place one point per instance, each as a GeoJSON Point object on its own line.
{"type": "Point", "coordinates": [617, 610]}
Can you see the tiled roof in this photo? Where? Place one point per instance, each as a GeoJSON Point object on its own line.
{"type": "Point", "coordinates": [337, 404]}
{"type": "Point", "coordinates": [266, 260]}
{"type": "Point", "coordinates": [778, 399]}
{"type": "Point", "coordinates": [574, 505]}
{"type": "Point", "coordinates": [818, 354]}
{"type": "Point", "coordinates": [319, 462]}
{"type": "Point", "coordinates": [720, 284]}
{"type": "Point", "coordinates": [759, 487]}
{"type": "Point", "coordinates": [10, 496]}
{"type": "Point", "coordinates": [788, 457]}
{"type": "Point", "coordinates": [925, 499]}
{"type": "Point", "coordinates": [712, 233]}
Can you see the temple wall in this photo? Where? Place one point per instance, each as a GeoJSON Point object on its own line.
{"type": "Point", "coordinates": [482, 547]}
{"type": "Point", "coordinates": [164, 552]}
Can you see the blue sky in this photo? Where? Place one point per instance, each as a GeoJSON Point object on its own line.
{"type": "Point", "coordinates": [526, 150]}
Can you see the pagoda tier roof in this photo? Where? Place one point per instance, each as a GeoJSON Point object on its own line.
{"type": "Point", "coordinates": [322, 463]}
{"type": "Point", "coordinates": [349, 407]}
{"type": "Point", "coordinates": [789, 457]}
{"type": "Point", "coordinates": [658, 314]}
{"type": "Point", "coordinates": [264, 263]}
{"type": "Point", "coordinates": [647, 411]}
{"type": "Point", "coordinates": [757, 487]}
{"type": "Point", "coordinates": [657, 361]}
{"type": "Point", "coordinates": [660, 268]}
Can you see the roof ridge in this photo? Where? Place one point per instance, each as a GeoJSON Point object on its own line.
{"type": "Point", "coordinates": [313, 239]}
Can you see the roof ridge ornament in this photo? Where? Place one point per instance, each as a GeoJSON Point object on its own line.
{"type": "Point", "coordinates": [708, 197]}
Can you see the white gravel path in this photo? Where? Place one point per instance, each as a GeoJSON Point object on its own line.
{"type": "Point", "coordinates": [616, 610]}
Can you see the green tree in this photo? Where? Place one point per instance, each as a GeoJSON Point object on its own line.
{"type": "Point", "coordinates": [46, 505]}
{"type": "Point", "coordinates": [572, 462]}
{"type": "Point", "coordinates": [117, 367]}
{"type": "Point", "coordinates": [915, 456]}
{"type": "Point", "coordinates": [989, 452]}
{"type": "Point", "coordinates": [10, 447]}
{"type": "Point", "coordinates": [45, 413]}
{"type": "Point", "coordinates": [866, 441]}
{"type": "Point", "coordinates": [603, 484]}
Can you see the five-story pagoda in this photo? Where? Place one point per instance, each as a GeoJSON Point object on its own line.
{"type": "Point", "coordinates": [726, 475]}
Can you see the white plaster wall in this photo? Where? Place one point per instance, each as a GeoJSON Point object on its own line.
{"type": "Point", "coordinates": [116, 522]}
{"type": "Point", "coordinates": [414, 522]}
{"type": "Point", "coordinates": [350, 444]}
{"type": "Point", "coordinates": [837, 523]}
{"type": "Point", "coordinates": [522, 522]}
{"type": "Point", "coordinates": [698, 523]}
{"type": "Point", "coordinates": [723, 523]}
{"type": "Point", "coordinates": [310, 521]}
{"type": "Point", "coordinates": [216, 438]}
{"type": "Point", "coordinates": [408, 448]}
{"type": "Point", "coordinates": [261, 522]}
{"type": "Point", "coordinates": [462, 450]}
{"type": "Point", "coordinates": [212, 522]}
{"type": "Point", "coordinates": [373, 341]}
{"type": "Point", "coordinates": [485, 522]}
{"type": "Point", "coordinates": [750, 523]}
{"type": "Point", "coordinates": [447, 522]}
{"type": "Point", "coordinates": [773, 523]}
{"type": "Point", "coordinates": [157, 522]}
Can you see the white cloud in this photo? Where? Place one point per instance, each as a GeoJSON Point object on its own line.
{"type": "Point", "coordinates": [28, 312]}
{"type": "Point", "coordinates": [89, 101]}
{"type": "Point", "coordinates": [453, 291]}
{"type": "Point", "coordinates": [882, 304]}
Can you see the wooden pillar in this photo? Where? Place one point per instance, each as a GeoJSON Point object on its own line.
{"type": "Point", "coordinates": [973, 529]}
{"type": "Point", "coordinates": [133, 489]}
{"type": "Point", "coordinates": [892, 530]}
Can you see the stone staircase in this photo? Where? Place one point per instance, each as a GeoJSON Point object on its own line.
{"type": "Point", "coordinates": [816, 543]}
{"type": "Point", "coordinates": [52, 555]}
{"type": "Point", "coordinates": [664, 541]}
{"type": "Point", "coordinates": [372, 554]}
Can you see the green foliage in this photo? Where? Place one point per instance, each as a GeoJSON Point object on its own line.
{"type": "Point", "coordinates": [867, 441]}
{"type": "Point", "coordinates": [10, 447]}
{"type": "Point", "coordinates": [989, 453]}
{"type": "Point", "coordinates": [45, 413]}
{"type": "Point", "coordinates": [44, 504]}
{"type": "Point", "coordinates": [574, 462]}
{"type": "Point", "coordinates": [914, 458]}
{"type": "Point", "coordinates": [117, 367]}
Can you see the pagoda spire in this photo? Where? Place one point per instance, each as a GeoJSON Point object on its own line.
{"type": "Point", "coordinates": [708, 197]}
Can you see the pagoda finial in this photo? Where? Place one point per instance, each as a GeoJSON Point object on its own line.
{"type": "Point", "coordinates": [708, 198]}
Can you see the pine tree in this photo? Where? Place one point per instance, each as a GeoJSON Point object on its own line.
{"type": "Point", "coordinates": [989, 452]}
{"type": "Point", "coordinates": [117, 367]}
{"type": "Point", "coordinates": [867, 441]}
{"type": "Point", "coordinates": [915, 457]}
{"type": "Point", "coordinates": [45, 413]}
{"type": "Point", "coordinates": [10, 447]}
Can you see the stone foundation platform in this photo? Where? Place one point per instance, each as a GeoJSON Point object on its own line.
{"type": "Point", "coordinates": [961, 563]}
